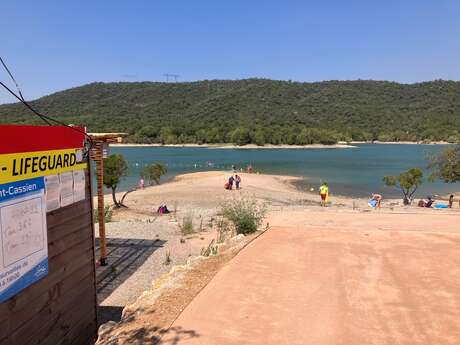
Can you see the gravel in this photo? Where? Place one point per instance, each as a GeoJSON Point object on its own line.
{"type": "Point", "coordinates": [162, 235]}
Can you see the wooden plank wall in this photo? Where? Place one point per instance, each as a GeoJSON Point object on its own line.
{"type": "Point", "coordinates": [60, 308]}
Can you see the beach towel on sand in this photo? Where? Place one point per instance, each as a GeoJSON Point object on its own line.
{"type": "Point", "coordinates": [372, 203]}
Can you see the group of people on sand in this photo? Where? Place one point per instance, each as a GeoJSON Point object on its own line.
{"type": "Point", "coordinates": [233, 179]}
{"type": "Point", "coordinates": [430, 202]}
{"type": "Point", "coordinates": [375, 199]}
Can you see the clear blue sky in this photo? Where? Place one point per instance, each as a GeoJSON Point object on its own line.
{"type": "Point", "coordinates": [54, 45]}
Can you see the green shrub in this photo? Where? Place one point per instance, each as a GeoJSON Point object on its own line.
{"type": "Point", "coordinates": [167, 258]}
{"type": "Point", "coordinates": [245, 213]}
{"type": "Point", "coordinates": [107, 214]}
{"type": "Point", "coordinates": [212, 249]}
{"type": "Point", "coordinates": [153, 172]}
{"type": "Point", "coordinates": [223, 230]}
{"type": "Point", "coordinates": [186, 226]}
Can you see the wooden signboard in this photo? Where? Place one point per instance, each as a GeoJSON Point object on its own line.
{"type": "Point", "coordinates": [47, 273]}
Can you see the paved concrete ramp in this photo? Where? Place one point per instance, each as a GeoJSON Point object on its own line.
{"type": "Point", "coordinates": [332, 278]}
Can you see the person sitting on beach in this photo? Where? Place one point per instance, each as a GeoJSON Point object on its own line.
{"type": "Point", "coordinates": [231, 179]}
{"type": "Point", "coordinates": [237, 181]}
{"type": "Point", "coordinates": [324, 193]}
{"type": "Point", "coordinates": [451, 201]}
{"type": "Point", "coordinates": [375, 200]}
{"type": "Point", "coordinates": [426, 202]}
{"type": "Point", "coordinates": [429, 202]}
{"type": "Point", "coordinates": [163, 209]}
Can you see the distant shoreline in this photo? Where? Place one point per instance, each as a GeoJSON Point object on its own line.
{"type": "Point", "coordinates": [377, 142]}
{"type": "Point", "coordinates": [339, 145]}
{"type": "Point", "coordinates": [244, 147]}
{"type": "Point", "coordinates": [410, 143]}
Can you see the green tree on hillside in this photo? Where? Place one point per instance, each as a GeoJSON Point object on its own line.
{"type": "Point", "coordinates": [259, 137]}
{"type": "Point", "coordinates": [207, 111]}
{"type": "Point", "coordinates": [240, 136]}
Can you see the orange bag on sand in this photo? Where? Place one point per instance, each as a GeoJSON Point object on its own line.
{"type": "Point", "coordinates": [227, 185]}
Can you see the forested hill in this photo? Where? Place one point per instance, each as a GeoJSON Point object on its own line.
{"type": "Point", "coordinates": [256, 110]}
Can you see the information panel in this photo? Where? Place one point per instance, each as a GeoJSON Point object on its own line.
{"type": "Point", "coordinates": [41, 170]}
{"type": "Point", "coordinates": [23, 250]}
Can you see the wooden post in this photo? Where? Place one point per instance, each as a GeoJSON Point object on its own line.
{"type": "Point", "coordinates": [97, 154]}
{"type": "Point", "coordinates": [100, 203]}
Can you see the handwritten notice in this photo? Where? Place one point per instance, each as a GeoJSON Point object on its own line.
{"type": "Point", "coordinates": [66, 180]}
{"type": "Point", "coordinates": [23, 234]}
{"type": "Point", "coordinates": [79, 185]}
{"type": "Point", "coordinates": [53, 192]}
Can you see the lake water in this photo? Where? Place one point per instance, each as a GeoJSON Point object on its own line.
{"type": "Point", "coordinates": [353, 172]}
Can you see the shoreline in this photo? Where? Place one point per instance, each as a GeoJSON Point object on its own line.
{"type": "Point", "coordinates": [236, 147]}
{"type": "Point", "coordinates": [299, 183]}
{"type": "Point", "coordinates": [339, 145]}
{"type": "Point", "coordinates": [411, 143]}
{"type": "Point", "coordinates": [203, 192]}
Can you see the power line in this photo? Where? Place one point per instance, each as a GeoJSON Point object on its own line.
{"type": "Point", "coordinates": [45, 118]}
{"type": "Point", "coordinates": [12, 78]}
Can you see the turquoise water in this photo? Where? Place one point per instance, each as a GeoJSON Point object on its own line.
{"type": "Point", "coordinates": [352, 172]}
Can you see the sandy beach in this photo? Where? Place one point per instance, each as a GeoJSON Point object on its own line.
{"type": "Point", "coordinates": [204, 192]}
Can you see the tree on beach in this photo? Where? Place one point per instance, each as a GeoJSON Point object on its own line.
{"type": "Point", "coordinates": [407, 181]}
{"type": "Point", "coordinates": [152, 173]}
{"type": "Point", "coordinates": [446, 165]}
{"type": "Point", "coordinates": [115, 169]}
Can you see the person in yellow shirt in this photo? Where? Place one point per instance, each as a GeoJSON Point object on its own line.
{"type": "Point", "coordinates": [324, 194]}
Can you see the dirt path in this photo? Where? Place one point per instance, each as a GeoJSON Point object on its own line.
{"type": "Point", "coordinates": [335, 278]}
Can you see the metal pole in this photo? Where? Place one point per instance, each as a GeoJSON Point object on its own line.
{"type": "Point", "coordinates": [100, 203]}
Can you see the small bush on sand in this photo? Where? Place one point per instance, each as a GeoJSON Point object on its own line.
{"type": "Point", "coordinates": [245, 213]}
{"type": "Point", "coordinates": [108, 212]}
{"type": "Point", "coordinates": [224, 230]}
{"type": "Point", "coordinates": [167, 258]}
{"type": "Point", "coordinates": [186, 226]}
{"type": "Point", "coordinates": [212, 249]}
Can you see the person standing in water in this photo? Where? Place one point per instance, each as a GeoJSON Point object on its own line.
{"type": "Point", "coordinates": [324, 193]}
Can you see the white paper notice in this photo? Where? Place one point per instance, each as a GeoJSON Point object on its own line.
{"type": "Point", "coordinates": [23, 229]}
{"type": "Point", "coordinates": [23, 235]}
{"type": "Point", "coordinates": [53, 192]}
{"type": "Point", "coordinates": [66, 180]}
{"type": "Point", "coordinates": [79, 185]}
